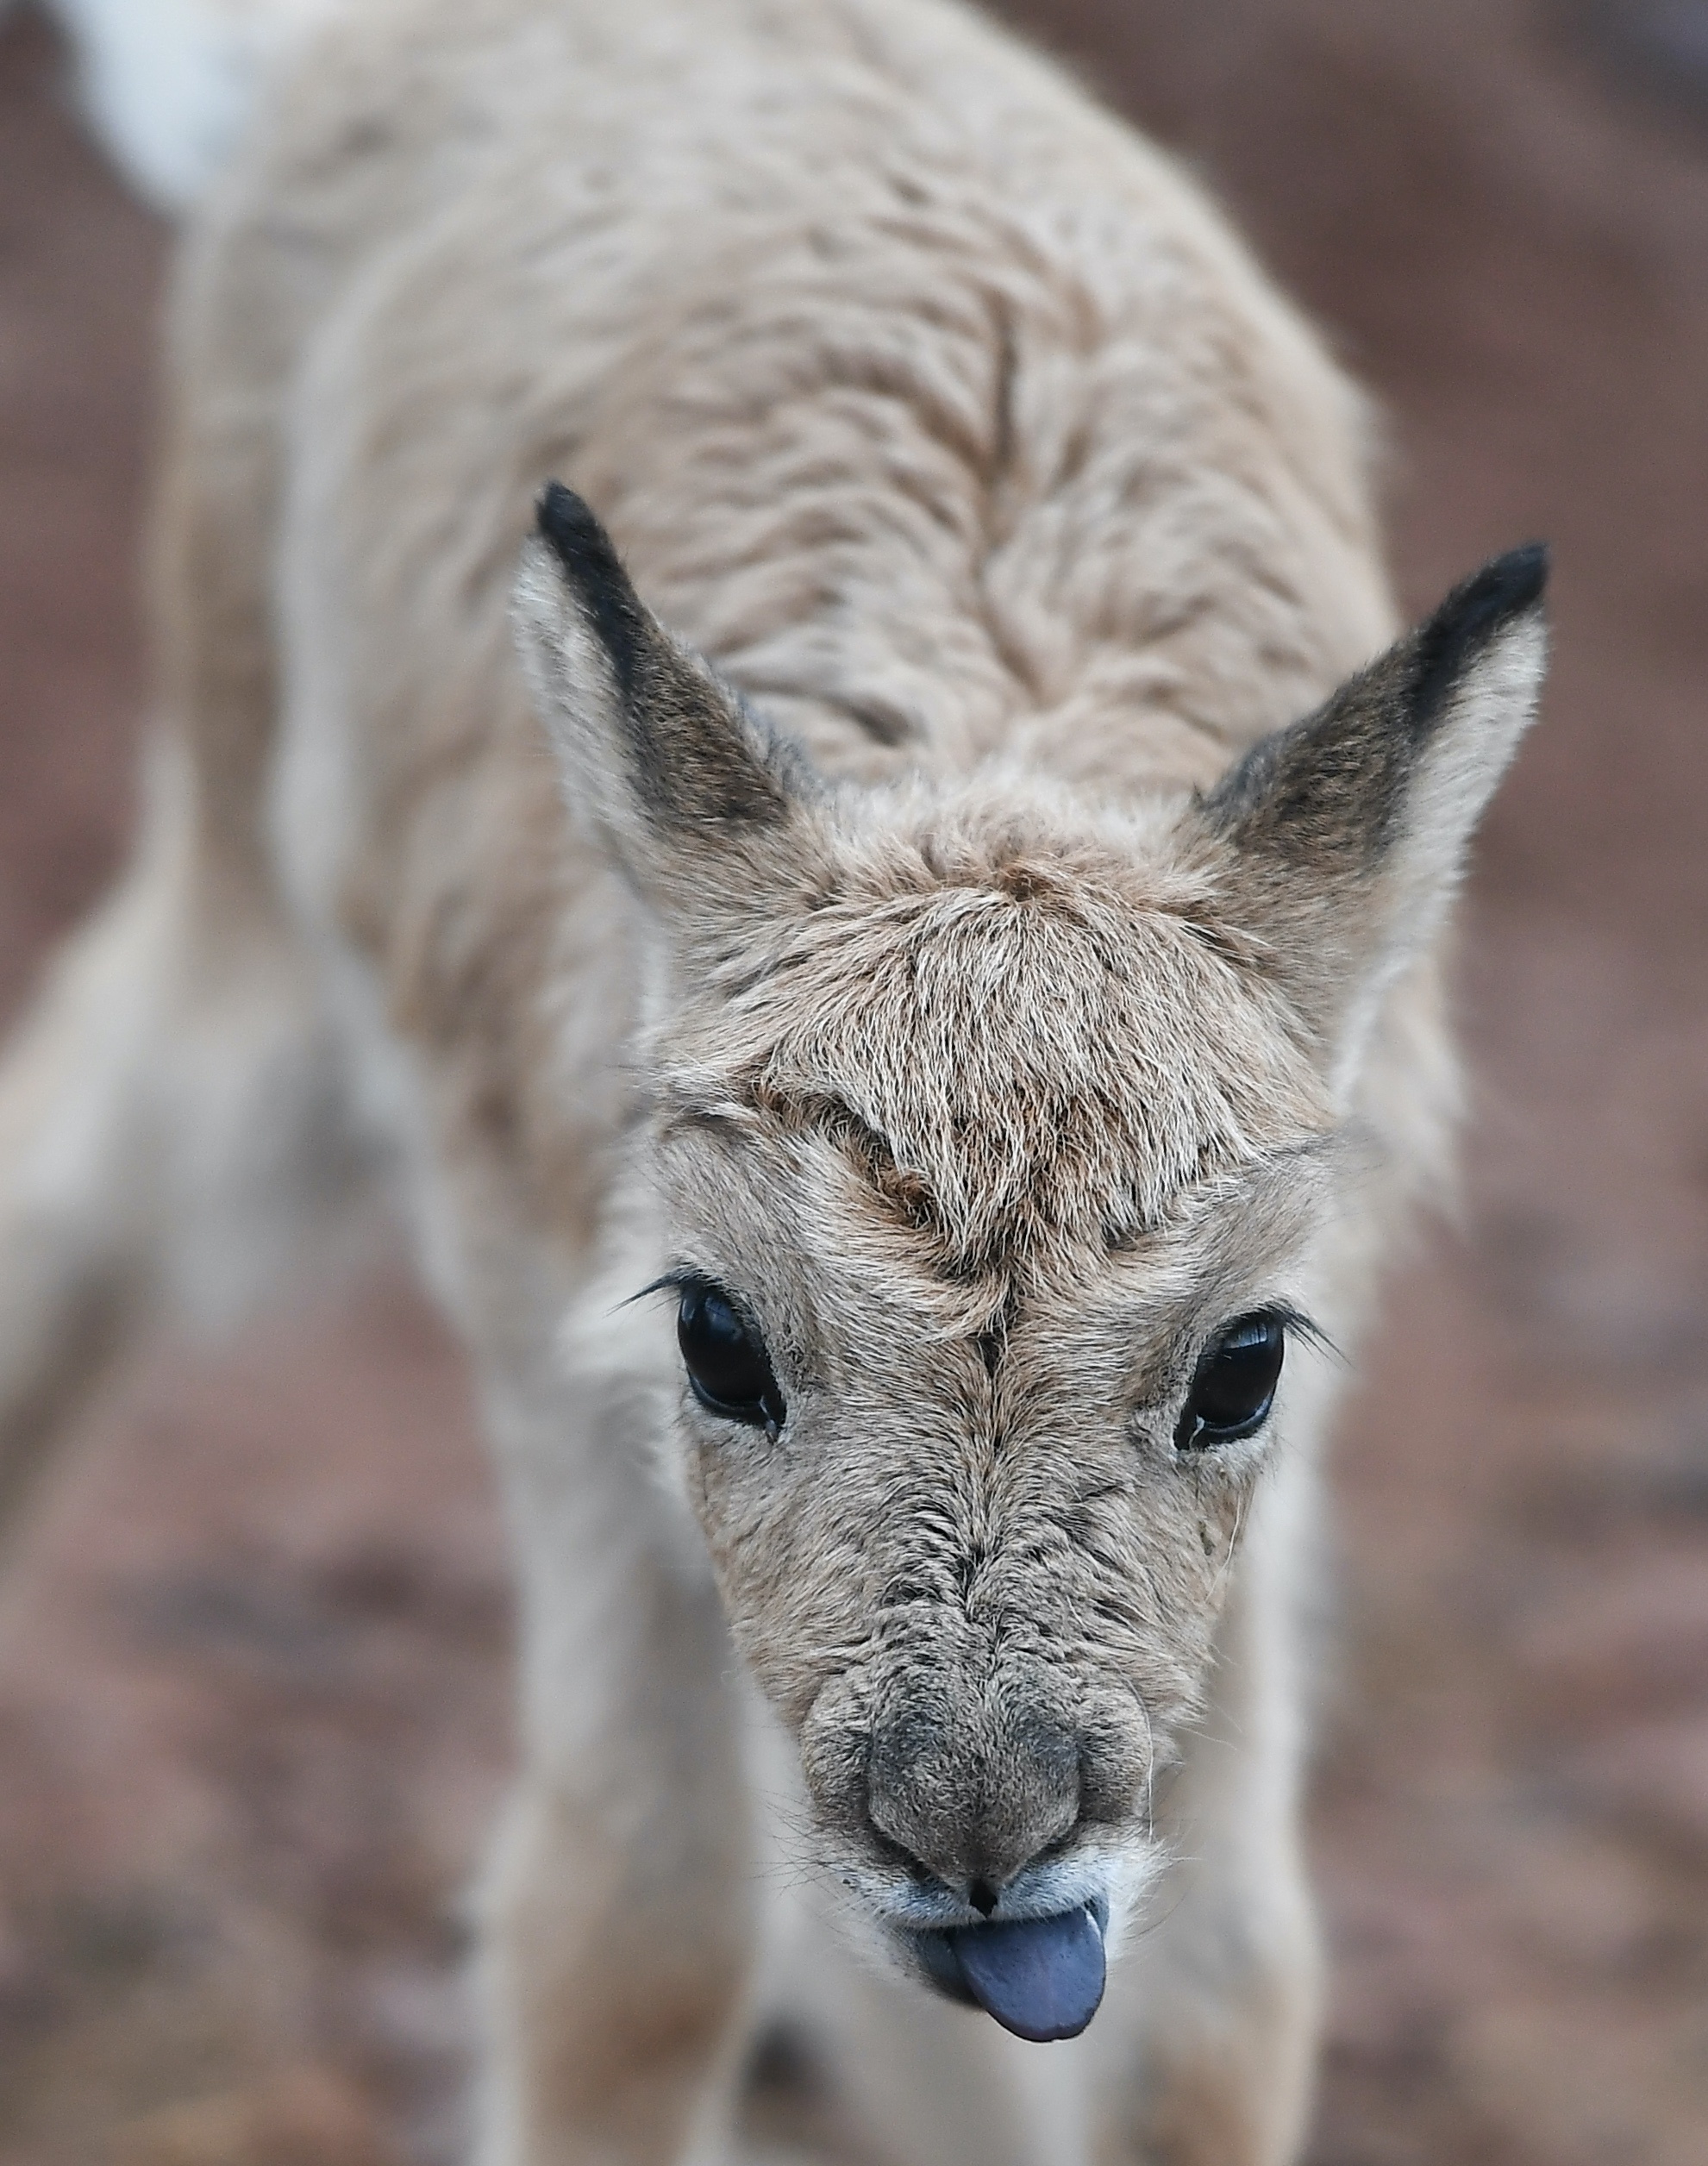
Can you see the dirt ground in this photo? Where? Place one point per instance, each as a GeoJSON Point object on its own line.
{"type": "Point", "coordinates": [253, 1686]}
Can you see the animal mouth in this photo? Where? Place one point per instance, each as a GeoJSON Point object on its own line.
{"type": "Point", "coordinates": [1042, 1978]}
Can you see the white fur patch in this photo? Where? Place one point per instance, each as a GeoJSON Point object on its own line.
{"type": "Point", "coordinates": [170, 85]}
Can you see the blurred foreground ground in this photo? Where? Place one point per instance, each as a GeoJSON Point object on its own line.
{"type": "Point", "coordinates": [253, 1653]}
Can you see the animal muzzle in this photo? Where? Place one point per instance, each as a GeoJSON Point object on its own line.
{"type": "Point", "coordinates": [971, 1803]}
{"type": "Point", "coordinates": [971, 1813]}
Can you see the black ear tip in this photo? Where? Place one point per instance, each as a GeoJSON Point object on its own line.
{"type": "Point", "coordinates": [580, 542]}
{"type": "Point", "coordinates": [1476, 613]}
{"type": "Point", "coordinates": [1504, 588]}
{"type": "Point", "coordinates": [1519, 578]}
{"type": "Point", "coordinates": [1481, 607]}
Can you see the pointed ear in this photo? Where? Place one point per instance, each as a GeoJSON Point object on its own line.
{"type": "Point", "coordinates": [1340, 841]}
{"type": "Point", "coordinates": [690, 793]}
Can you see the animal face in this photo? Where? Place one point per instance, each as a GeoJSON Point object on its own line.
{"type": "Point", "coordinates": [990, 1185]}
{"type": "Point", "coordinates": [994, 1135]}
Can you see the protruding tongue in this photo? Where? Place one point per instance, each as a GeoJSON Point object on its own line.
{"type": "Point", "coordinates": [1042, 1978]}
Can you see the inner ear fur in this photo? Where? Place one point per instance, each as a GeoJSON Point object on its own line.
{"type": "Point", "coordinates": [1338, 841]}
{"type": "Point", "coordinates": [687, 789]}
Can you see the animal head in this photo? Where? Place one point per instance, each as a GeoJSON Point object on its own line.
{"type": "Point", "coordinates": [996, 1133]}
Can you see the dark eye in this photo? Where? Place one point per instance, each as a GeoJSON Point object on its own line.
{"type": "Point", "coordinates": [728, 1370]}
{"type": "Point", "coordinates": [1235, 1385]}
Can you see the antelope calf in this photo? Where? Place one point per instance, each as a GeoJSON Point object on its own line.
{"type": "Point", "coordinates": [768, 719]}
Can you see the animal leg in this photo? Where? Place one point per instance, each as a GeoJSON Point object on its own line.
{"type": "Point", "coordinates": [173, 1130]}
{"type": "Point", "coordinates": [616, 1912]}
{"type": "Point", "coordinates": [1222, 2074]}
{"type": "Point", "coordinates": [1206, 2047]}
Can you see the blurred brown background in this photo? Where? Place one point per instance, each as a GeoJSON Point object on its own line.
{"type": "Point", "coordinates": [253, 1683]}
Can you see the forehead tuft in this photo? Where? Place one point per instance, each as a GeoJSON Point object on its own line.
{"type": "Point", "coordinates": [1015, 1064]}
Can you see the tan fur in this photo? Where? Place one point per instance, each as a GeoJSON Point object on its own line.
{"type": "Point", "coordinates": [921, 1003]}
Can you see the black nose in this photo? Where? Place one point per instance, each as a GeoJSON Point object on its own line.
{"type": "Point", "coordinates": [972, 1811]}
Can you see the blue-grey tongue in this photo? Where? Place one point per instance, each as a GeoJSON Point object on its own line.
{"type": "Point", "coordinates": [1042, 1978]}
